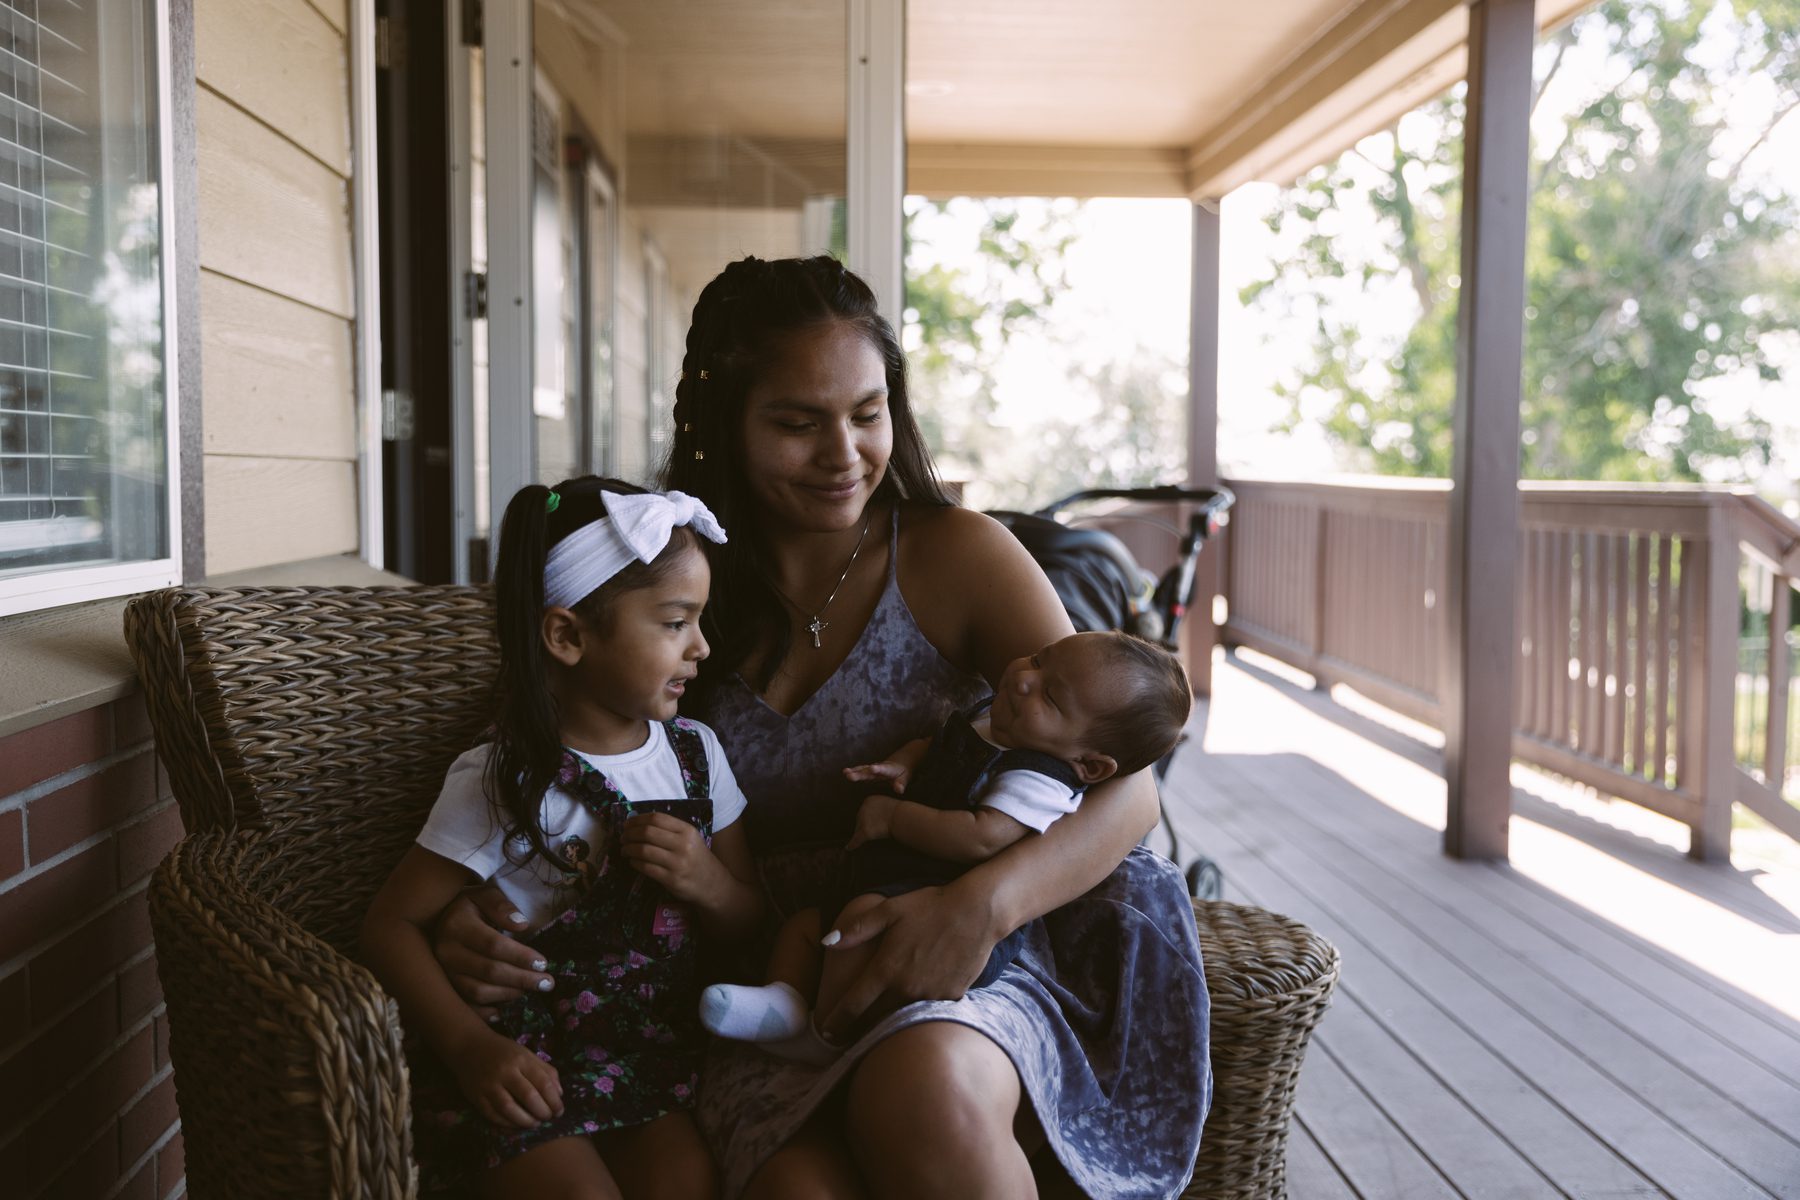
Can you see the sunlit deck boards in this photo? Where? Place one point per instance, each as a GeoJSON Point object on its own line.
{"type": "Point", "coordinates": [1601, 1018]}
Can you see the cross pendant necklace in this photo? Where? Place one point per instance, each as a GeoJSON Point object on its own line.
{"type": "Point", "coordinates": [818, 624]}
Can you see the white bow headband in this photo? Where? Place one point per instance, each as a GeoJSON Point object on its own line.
{"type": "Point", "coordinates": [635, 529]}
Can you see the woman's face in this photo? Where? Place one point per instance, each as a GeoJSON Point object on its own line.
{"type": "Point", "coordinates": [816, 433]}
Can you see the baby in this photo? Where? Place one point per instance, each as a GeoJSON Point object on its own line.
{"type": "Point", "coordinates": [1079, 711]}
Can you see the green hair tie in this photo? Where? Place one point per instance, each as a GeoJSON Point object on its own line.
{"type": "Point", "coordinates": [551, 502]}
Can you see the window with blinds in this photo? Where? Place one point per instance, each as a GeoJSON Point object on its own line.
{"type": "Point", "coordinates": [84, 441]}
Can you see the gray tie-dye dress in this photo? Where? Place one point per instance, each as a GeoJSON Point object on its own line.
{"type": "Point", "coordinates": [1104, 1012]}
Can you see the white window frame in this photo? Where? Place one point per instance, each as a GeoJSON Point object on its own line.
{"type": "Point", "coordinates": [73, 585]}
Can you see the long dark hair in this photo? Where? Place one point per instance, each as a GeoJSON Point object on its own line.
{"type": "Point", "coordinates": [740, 323]}
{"type": "Point", "coordinates": [528, 745]}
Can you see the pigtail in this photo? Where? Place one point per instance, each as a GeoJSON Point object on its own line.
{"type": "Point", "coordinates": [528, 742]}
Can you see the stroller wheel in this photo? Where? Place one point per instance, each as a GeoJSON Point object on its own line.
{"type": "Point", "coordinates": [1204, 881]}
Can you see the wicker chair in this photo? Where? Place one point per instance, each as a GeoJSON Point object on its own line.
{"type": "Point", "coordinates": [306, 732]}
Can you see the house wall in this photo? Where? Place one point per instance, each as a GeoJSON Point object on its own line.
{"type": "Point", "coordinates": [276, 282]}
{"type": "Point", "coordinates": [87, 1097]}
{"type": "Point", "coordinates": [87, 1100]}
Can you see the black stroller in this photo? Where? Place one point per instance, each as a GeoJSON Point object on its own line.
{"type": "Point", "coordinates": [1103, 587]}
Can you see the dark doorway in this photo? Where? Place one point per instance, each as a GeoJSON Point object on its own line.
{"type": "Point", "coordinates": [417, 291]}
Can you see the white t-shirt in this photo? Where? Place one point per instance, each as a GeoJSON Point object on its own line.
{"type": "Point", "coordinates": [1031, 798]}
{"type": "Point", "coordinates": [463, 829]}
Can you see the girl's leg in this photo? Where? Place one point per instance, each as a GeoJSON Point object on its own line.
{"type": "Point", "coordinates": [778, 1010]}
{"type": "Point", "coordinates": [566, 1169]}
{"type": "Point", "coordinates": [665, 1159]}
{"type": "Point", "coordinates": [931, 1113]}
{"type": "Point", "coordinates": [814, 1165]}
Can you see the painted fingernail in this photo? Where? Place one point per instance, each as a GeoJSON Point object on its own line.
{"type": "Point", "coordinates": [517, 918]}
{"type": "Point", "coordinates": [545, 985]}
{"type": "Point", "coordinates": [832, 938]}
{"type": "Point", "coordinates": [538, 964]}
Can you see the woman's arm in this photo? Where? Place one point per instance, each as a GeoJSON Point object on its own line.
{"type": "Point", "coordinates": [983, 601]}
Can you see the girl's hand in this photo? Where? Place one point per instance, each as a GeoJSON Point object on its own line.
{"type": "Point", "coordinates": [934, 944]}
{"type": "Point", "coordinates": [669, 851]}
{"type": "Point", "coordinates": [508, 1084]}
{"type": "Point", "coordinates": [898, 774]}
{"type": "Point", "coordinates": [874, 820]}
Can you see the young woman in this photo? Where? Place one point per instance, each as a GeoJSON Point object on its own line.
{"type": "Point", "coordinates": [852, 611]}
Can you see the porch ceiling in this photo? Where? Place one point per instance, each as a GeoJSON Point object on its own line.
{"type": "Point", "coordinates": [1164, 97]}
{"type": "Point", "coordinates": [1053, 97]}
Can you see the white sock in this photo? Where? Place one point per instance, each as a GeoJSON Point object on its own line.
{"type": "Point", "coordinates": [808, 1046]}
{"type": "Point", "coordinates": [753, 1014]}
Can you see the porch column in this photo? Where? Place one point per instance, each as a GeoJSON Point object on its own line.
{"type": "Point", "coordinates": [512, 438]}
{"type": "Point", "coordinates": [1199, 636]}
{"type": "Point", "coordinates": [1484, 499]}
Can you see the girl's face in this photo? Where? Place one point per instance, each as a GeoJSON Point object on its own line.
{"type": "Point", "coordinates": [816, 432]}
{"type": "Point", "coordinates": [636, 664]}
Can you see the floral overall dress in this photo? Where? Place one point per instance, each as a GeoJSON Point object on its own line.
{"type": "Point", "coordinates": [621, 1025]}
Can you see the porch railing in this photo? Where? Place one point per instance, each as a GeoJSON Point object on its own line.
{"type": "Point", "coordinates": [1645, 666]}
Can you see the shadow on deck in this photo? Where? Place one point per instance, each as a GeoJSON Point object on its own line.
{"type": "Point", "coordinates": [1600, 1017]}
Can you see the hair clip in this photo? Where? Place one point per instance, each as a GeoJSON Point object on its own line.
{"type": "Point", "coordinates": [550, 502]}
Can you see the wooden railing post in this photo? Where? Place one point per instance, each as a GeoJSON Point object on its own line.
{"type": "Point", "coordinates": [1715, 773]}
{"type": "Point", "coordinates": [1775, 752]}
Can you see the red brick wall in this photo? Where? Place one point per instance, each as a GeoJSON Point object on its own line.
{"type": "Point", "coordinates": [87, 1101]}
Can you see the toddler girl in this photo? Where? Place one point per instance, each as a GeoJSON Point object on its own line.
{"type": "Point", "coordinates": [610, 823]}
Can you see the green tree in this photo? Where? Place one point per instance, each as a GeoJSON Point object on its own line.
{"type": "Point", "coordinates": [960, 318]}
{"type": "Point", "coordinates": [1653, 264]}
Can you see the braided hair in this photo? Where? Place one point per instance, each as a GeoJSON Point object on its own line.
{"type": "Point", "coordinates": [740, 324]}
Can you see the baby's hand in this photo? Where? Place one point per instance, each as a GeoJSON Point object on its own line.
{"type": "Point", "coordinates": [669, 851]}
{"type": "Point", "coordinates": [898, 774]}
{"type": "Point", "coordinates": [874, 820]}
{"type": "Point", "coordinates": [508, 1084]}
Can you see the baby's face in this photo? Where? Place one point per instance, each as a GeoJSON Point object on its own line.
{"type": "Point", "coordinates": [1051, 700]}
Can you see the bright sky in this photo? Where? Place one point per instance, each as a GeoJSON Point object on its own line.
{"type": "Point", "coordinates": [1129, 276]}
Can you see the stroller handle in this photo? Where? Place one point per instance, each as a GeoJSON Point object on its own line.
{"type": "Point", "coordinates": [1211, 500]}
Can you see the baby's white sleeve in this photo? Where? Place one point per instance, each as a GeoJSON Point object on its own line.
{"type": "Point", "coordinates": [1033, 800]}
{"type": "Point", "coordinates": [461, 826]}
{"type": "Point", "coordinates": [727, 797]}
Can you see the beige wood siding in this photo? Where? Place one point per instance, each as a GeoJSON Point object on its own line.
{"type": "Point", "coordinates": [276, 282]}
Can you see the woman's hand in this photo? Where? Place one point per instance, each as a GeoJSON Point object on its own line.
{"type": "Point", "coordinates": [507, 1084]}
{"type": "Point", "coordinates": [934, 944]}
{"type": "Point", "coordinates": [475, 947]}
{"type": "Point", "coordinates": [669, 851]}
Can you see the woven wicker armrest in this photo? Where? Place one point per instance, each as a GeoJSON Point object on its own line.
{"type": "Point", "coordinates": [287, 1055]}
{"type": "Point", "coordinates": [1270, 979]}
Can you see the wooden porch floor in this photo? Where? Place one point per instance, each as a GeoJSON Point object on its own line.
{"type": "Point", "coordinates": [1601, 1017]}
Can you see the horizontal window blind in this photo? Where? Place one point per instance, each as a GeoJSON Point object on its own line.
{"type": "Point", "coordinates": [46, 435]}
{"type": "Point", "coordinates": [81, 438]}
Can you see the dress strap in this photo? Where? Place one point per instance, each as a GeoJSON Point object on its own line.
{"type": "Point", "coordinates": [690, 753]}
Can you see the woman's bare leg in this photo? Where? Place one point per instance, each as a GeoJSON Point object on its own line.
{"type": "Point", "coordinates": [931, 1113]}
{"type": "Point", "coordinates": [665, 1159]}
{"type": "Point", "coordinates": [566, 1169]}
{"type": "Point", "coordinates": [814, 1165]}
